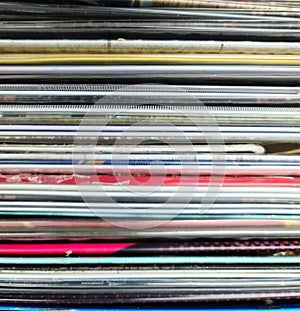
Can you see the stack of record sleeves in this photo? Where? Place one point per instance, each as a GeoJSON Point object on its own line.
{"type": "Point", "coordinates": [149, 155]}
